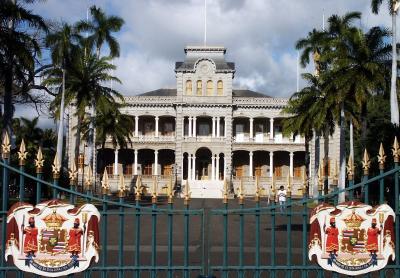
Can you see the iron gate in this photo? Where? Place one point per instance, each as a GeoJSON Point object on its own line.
{"type": "Point", "coordinates": [178, 237]}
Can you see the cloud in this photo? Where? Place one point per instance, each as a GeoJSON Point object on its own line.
{"type": "Point", "coordinates": [260, 36]}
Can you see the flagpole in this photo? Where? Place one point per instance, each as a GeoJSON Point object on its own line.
{"type": "Point", "coordinates": [60, 138]}
{"type": "Point", "coordinates": [205, 22]}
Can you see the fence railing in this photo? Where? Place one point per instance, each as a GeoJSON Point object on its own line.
{"type": "Point", "coordinates": [169, 237]}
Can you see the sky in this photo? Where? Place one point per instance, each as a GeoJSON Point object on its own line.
{"type": "Point", "coordinates": [259, 35]}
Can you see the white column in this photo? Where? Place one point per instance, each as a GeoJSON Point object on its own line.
{"type": "Point", "coordinates": [136, 126]}
{"type": "Point", "coordinates": [213, 126]}
{"type": "Point", "coordinates": [189, 169]}
{"type": "Point", "coordinates": [135, 163]}
{"type": "Point", "coordinates": [155, 172]}
{"type": "Point", "coordinates": [190, 127]}
{"type": "Point", "coordinates": [212, 167]}
{"type": "Point", "coordinates": [194, 127]}
{"type": "Point", "coordinates": [250, 164]}
{"type": "Point", "coordinates": [116, 162]}
{"type": "Point", "coordinates": [218, 127]}
{"type": "Point", "coordinates": [156, 133]}
{"type": "Point", "coordinates": [217, 167]}
{"type": "Point", "coordinates": [225, 127]}
{"type": "Point", "coordinates": [271, 129]}
{"type": "Point", "coordinates": [224, 167]}
{"type": "Point", "coordinates": [183, 126]}
{"type": "Point", "coordinates": [194, 168]}
{"type": "Point", "coordinates": [291, 164]}
{"type": "Point", "coordinates": [271, 164]}
{"type": "Point", "coordinates": [251, 129]}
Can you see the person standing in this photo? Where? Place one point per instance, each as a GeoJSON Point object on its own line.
{"type": "Point", "coordinates": [30, 241]}
{"type": "Point", "coordinates": [372, 237]}
{"type": "Point", "coordinates": [282, 198]}
{"type": "Point", "coordinates": [332, 241]}
{"type": "Point", "coordinates": [74, 239]}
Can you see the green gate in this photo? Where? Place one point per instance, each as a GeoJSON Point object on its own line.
{"type": "Point", "coordinates": [177, 237]}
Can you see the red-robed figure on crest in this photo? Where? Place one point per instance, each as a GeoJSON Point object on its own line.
{"type": "Point", "coordinates": [332, 241]}
{"type": "Point", "coordinates": [74, 241]}
{"type": "Point", "coordinates": [30, 241]}
{"type": "Point", "coordinates": [372, 237]}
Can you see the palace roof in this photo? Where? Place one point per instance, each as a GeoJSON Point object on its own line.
{"type": "Point", "coordinates": [235, 93]}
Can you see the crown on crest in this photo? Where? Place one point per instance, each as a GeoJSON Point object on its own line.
{"type": "Point", "coordinates": [353, 221]}
{"type": "Point", "coordinates": [54, 220]}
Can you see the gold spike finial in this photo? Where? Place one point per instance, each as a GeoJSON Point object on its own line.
{"type": "Point", "coordinates": [241, 192]}
{"type": "Point", "coordinates": [105, 183]}
{"type": "Point", "coordinates": [138, 188]}
{"type": "Point", "coordinates": [335, 174]}
{"type": "Point", "coordinates": [170, 191]}
{"type": "Point", "coordinates": [39, 161]}
{"type": "Point", "coordinates": [258, 192]}
{"type": "Point", "coordinates": [320, 176]}
{"type": "Point", "coordinates": [22, 153]}
{"type": "Point", "coordinates": [396, 150]}
{"type": "Point", "coordinates": [154, 190]}
{"type": "Point", "coordinates": [350, 168]}
{"type": "Point", "coordinates": [73, 173]}
{"type": "Point", "coordinates": [225, 192]}
{"type": "Point", "coordinates": [366, 163]}
{"type": "Point", "coordinates": [89, 178]}
{"type": "Point", "coordinates": [56, 167]}
{"type": "Point", "coordinates": [6, 146]}
{"type": "Point", "coordinates": [121, 186]}
{"type": "Point", "coordinates": [381, 157]}
{"type": "Point", "coordinates": [289, 186]}
{"type": "Point", "coordinates": [304, 178]}
{"type": "Point", "coordinates": [187, 193]}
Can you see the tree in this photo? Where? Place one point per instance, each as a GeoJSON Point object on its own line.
{"type": "Point", "coordinates": [19, 49]}
{"type": "Point", "coordinates": [393, 9]}
{"type": "Point", "coordinates": [85, 79]}
{"type": "Point", "coordinates": [101, 28]}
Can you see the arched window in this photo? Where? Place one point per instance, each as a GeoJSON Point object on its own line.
{"type": "Point", "coordinates": [210, 88]}
{"type": "Point", "coordinates": [199, 87]}
{"type": "Point", "coordinates": [220, 88]}
{"type": "Point", "coordinates": [188, 87]}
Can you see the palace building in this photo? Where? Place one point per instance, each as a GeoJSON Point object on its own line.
{"type": "Point", "coordinates": [204, 132]}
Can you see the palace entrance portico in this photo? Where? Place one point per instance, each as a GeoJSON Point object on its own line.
{"type": "Point", "coordinates": [205, 173]}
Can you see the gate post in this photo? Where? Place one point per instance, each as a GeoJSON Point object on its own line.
{"type": "Point", "coordinates": [6, 147]}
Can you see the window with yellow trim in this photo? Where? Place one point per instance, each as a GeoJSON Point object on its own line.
{"type": "Point", "coordinates": [210, 88]}
{"type": "Point", "coordinates": [220, 88]}
{"type": "Point", "coordinates": [199, 87]}
{"type": "Point", "coordinates": [188, 87]}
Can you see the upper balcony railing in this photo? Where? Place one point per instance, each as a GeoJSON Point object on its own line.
{"type": "Point", "coordinates": [265, 139]}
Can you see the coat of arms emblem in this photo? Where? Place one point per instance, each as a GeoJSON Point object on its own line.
{"type": "Point", "coordinates": [53, 238]}
{"type": "Point", "coordinates": [352, 238]}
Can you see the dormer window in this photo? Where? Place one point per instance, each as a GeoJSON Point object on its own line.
{"type": "Point", "coordinates": [188, 87]}
{"type": "Point", "coordinates": [199, 87]}
{"type": "Point", "coordinates": [210, 88]}
{"type": "Point", "coordinates": [220, 88]}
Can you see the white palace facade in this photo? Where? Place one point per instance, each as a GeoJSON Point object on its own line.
{"type": "Point", "coordinates": [205, 132]}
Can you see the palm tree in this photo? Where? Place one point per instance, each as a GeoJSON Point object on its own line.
{"type": "Point", "coordinates": [102, 27]}
{"type": "Point", "coordinates": [85, 79]}
{"type": "Point", "coordinates": [63, 45]}
{"type": "Point", "coordinates": [301, 120]}
{"type": "Point", "coordinates": [111, 124]}
{"type": "Point", "coordinates": [393, 9]}
{"type": "Point", "coordinates": [18, 50]}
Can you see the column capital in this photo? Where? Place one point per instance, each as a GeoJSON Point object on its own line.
{"type": "Point", "coordinates": [251, 153]}
{"type": "Point", "coordinates": [291, 153]}
{"type": "Point", "coordinates": [156, 117]}
{"type": "Point", "coordinates": [137, 117]}
{"type": "Point", "coordinates": [251, 119]}
{"type": "Point", "coordinates": [136, 151]}
{"type": "Point", "coordinates": [271, 119]}
{"type": "Point", "coordinates": [271, 153]}
{"type": "Point", "coordinates": [156, 151]}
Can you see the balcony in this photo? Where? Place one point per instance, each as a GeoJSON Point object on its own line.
{"type": "Point", "coordinates": [203, 139]}
{"type": "Point", "coordinates": [265, 139]}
